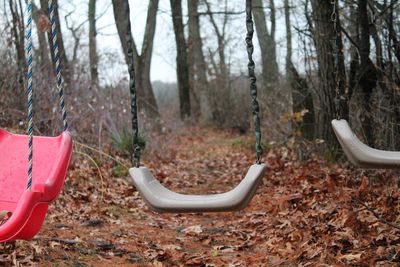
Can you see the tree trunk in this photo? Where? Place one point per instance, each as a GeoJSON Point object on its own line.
{"type": "Point", "coordinates": [60, 39]}
{"type": "Point", "coordinates": [182, 66]}
{"type": "Point", "coordinates": [93, 57]}
{"type": "Point", "coordinates": [324, 34]}
{"type": "Point", "coordinates": [270, 71]}
{"type": "Point", "coordinates": [288, 24]}
{"type": "Point", "coordinates": [367, 73]}
{"type": "Point", "coordinates": [147, 100]}
{"type": "Point", "coordinates": [197, 69]}
{"type": "Point", "coordinates": [354, 55]}
{"type": "Point", "coordinates": [18, 32]}
{"type": "Point", "coordinates": [301, 94]}
{"type": "Point", "coordinates": [41, 23]}
{"type": "Point", "coordinates": [221, 70]}
{"type": "Point", "coordinates": [392, 31]}
{"type": "Point", "coordinates": [272, 44]}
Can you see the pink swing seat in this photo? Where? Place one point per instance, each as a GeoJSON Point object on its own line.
{"type": "Point", "coordinates": [51, 160]}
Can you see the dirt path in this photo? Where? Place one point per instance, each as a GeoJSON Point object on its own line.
{"type": "Point", "coordinates": [305, 213]}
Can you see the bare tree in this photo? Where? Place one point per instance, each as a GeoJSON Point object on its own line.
{"type": "Point", "coordinates": [61, 46]}
{"type": "Point", "coordinates": [93, 56]}
{"type": "Point", "coordinates": [302, 98]}
{"type": "Point", "coordinates": [18, 33]}
{"type": "Point", "coordinates": [323, 34]}
{"type": "Point", "coordinates": [147, 100]}
{"type": "Point", "coordinates": [182, 68]}
{"type": "Point", "coordinates": [289, 48]}
{"type": "Point", "coordinates": [42, 25]}
{"type": "Point", "coordinates": [368, 72]}
{"type": "Point", "coordinates": [17, 28]}
{"type": "Point", "coordinates": [220, 69]}
{"type": "Point", "coordinates": [198, 67]}
{"type": "Point", "coordinates": [266, 38]}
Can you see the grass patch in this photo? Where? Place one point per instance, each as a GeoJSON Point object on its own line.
{"type": "Point", "coordinates": [122, 142]}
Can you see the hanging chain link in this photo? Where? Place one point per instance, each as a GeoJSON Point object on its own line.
{"type": "Point", "coordinates": [253, 86]}
{"type": "Point", "coordinates": [132, 89]}
{"type": "Point", "coordinates": [340, 99]}
{"type": "Point", "coordinates": [253, 80]}
{"type": "Point", "coordinates": [334, 17]}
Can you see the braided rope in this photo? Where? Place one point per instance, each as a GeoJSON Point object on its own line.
{"type": "Point", "coordinates": [60, 86]}
{"type": "Point", "coordinates": [29, 49]}
{"type": "Point", "coordinates": [56, 52]}
{"type": "Point", "coordinates": [253, 80]}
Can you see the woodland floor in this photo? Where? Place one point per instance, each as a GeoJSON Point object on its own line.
{"type": "Point", "coordinates": [306, 213]}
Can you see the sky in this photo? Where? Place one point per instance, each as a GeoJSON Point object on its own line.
{"type": "Point", "coordinates": [112, 66]}
{"type": "Point", "coordinates": [164, 54]}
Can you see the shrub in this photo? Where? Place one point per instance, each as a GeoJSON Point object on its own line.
{"type": "Point", "coordinates": [122, 142]}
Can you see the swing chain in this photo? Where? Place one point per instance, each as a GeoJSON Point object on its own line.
{"type": "Point", "coordinates": [132, 89]}
{"type": "Point", "coordinates": [339, 99]}
{"type": "Point", "coordinates": [253, 85]}
{"type": "Point", "coordinates": [253, 80]}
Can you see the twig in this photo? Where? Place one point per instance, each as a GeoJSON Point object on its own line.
{"type": "Point", "coordinates": [379, 217]}
{"type": "Point", "coordinates": [4, 216]}
{"type": "Point", "coordinates": [102, 153]}
{"type": "Point", "coordinates": [350, 39]}
{"type": "Point", "coordinates": [98, 169]}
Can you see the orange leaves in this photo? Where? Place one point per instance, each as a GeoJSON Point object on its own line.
{"type": "Point", "coordinates": [363, 186]}
{"type": "Point", "coordinates": [303, 214]}
{"type": "Point", "coordinates": [4, 216]}
{"type": "Point", "coordinates": [44, 23]}
{"type": "Point", "coordinates": [330, 184]}
{"type": "Point", "coordinates": [284, 201]}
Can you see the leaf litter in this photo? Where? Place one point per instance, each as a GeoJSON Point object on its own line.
{"type": "Point", "coordinates": [306, 213]}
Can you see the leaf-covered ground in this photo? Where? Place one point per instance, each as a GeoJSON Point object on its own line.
{"type": "Point", "coordinates": [306, 213]}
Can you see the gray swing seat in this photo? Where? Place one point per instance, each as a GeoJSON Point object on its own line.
{"type": "Point", "coordinates": [359, 153]}
{"type": "Point", "coordinates": [161, 199]}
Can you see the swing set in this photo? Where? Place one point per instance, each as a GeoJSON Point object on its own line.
{"type": "Point", "coordinates": [160, 198]}
{"type": "Point", "coordinates": [24, 202]}
{"type": "Point", "coordinates": [356, 151]}
{"type": "Point", "coordinates": [33, 168]}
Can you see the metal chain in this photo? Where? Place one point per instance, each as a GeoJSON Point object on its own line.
{"type": "Point", "coordinates": [29, 48]}
{"type": "Point", "coordinates": [253, 86]}
{"type": "Point", "coordinates": [132, 89]}
{"type": "Point", "coordinates": [335, 58]}
{"type": "Point", "coordinates": [253, 80]}
{"type": "Point", "coordinates": [339, 99]}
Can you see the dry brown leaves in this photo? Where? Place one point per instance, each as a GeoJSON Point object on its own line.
{"type": "Point", "coordinates": [303, 215]}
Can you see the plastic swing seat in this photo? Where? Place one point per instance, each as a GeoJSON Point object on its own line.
{"type": "Point", "coordinates": [28, 208]}
{"type": "Point", "coordinates": [359, 153]}
{"type": "Point", "coordinates": [161, 199]}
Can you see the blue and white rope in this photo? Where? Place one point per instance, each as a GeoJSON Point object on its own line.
{"type": "Point", "coordinates": [60, 85]}
{"type": "Point", "coordinates": [29, 48]}
{"type": "Point", "coordinates": [56, 53]}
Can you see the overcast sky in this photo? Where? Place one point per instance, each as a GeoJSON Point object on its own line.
{"type": "Point", "coordinates": [112, 68]}
{"type": "Point", "coordinates": [163, 64]}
